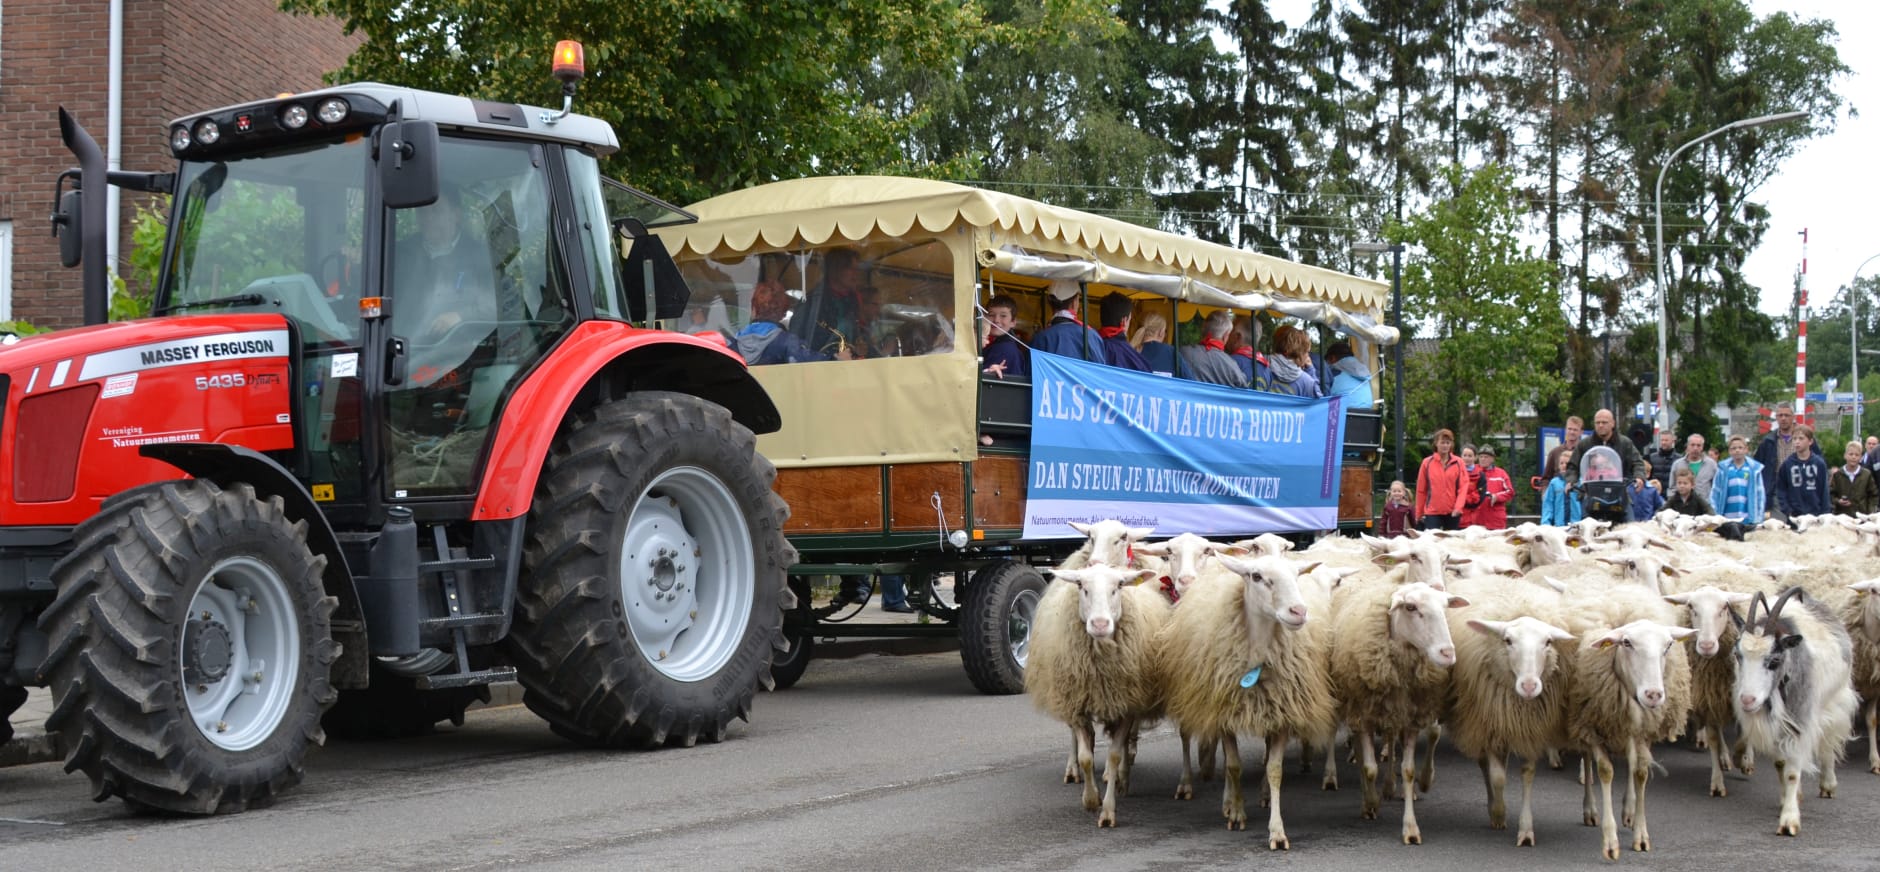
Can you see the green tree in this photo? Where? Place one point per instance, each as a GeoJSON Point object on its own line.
{"type": "Point", "coordinates": [1487, 301]}
{"type": "Point", "coordinates": [706, 97]}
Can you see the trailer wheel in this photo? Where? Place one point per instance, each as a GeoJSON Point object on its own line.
{"type": "Point", "coordinates": [653, 589]}
{"type": "Point", "coordinates": [189, 648]}
{"type": "Point", "coordinates": [995, 634]}
{"type": "Point", "coordinates": [790, 666]}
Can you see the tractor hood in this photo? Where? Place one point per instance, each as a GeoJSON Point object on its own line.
{"type": "Point", "coordinates": [68, 357]}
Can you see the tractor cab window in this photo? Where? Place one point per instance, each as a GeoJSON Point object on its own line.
{"type": "Point", "coordinates": [845, 302]}
{"type": "Point", "coordinates": [280, 232]}
{"type": "Point", "coordinates": [478, 292]}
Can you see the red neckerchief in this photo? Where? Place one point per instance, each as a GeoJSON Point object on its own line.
{"type": "Point", "coordinates": [1109, 332]}
{"type": "Point", "coordinates": [1245, 351]}
{"type": "Point", "coordinates": [1216, 344]}
{"type": "Point", "coordinates": [1168, 590]}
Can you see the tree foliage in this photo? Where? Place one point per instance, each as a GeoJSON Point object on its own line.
{"type": "Point", "coordinates": [1489, 304]}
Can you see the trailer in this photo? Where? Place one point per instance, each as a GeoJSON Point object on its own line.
{"type": "Point", "coordinates": [900, 455]}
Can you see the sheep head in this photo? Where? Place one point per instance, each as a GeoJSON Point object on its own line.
{"type": "Point", "coordinates": [1272, 589]}
{"type": "Point", "coordinates": [1108, 541]}
{"type": "Point", "coordinates": [1187, 554]}
{"type": "Point", "coordinates": [1529, 643]}
{"type": "Point", "coordinates": [1417, 621]}
{"type": "Point", "coordinates": [1713, 610]}
{"type": "Point", "coordinates": [1639, 650]}
{"type": "Point", "coordinates": [1100, 595]}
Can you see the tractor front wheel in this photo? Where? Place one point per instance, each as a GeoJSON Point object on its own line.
{"type": "Point", "coordinates": [190, 648]}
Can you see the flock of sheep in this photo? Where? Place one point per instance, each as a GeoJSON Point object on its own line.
{"type": "Point", "coordinates": [1526, 642]}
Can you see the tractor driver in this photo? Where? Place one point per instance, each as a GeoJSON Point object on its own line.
{"type": "Point", "coordinates": [444, 299]}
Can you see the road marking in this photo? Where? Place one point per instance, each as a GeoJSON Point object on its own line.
{"type": "Point", "coordinates": [8, 820]}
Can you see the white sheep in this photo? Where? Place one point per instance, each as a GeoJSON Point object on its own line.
{"type": "Point", "coordinates": [1185, 558]}
{"type": "Point", "coordinates": [1508, 687]}
{"type": "Point", "coordinates": [1712, 613]}
{"type": "Point", "coordinates": [1631, 687]}
{"type": "Point", "coordinates": [1107, 542]}
{"type": "Point", "coordinates": [1795, 696]}
{"type": "Point", "coordinates": [1860, 614]}
{"type": "Point", "coordinates": [1243, 658]}
{"type": "Point", "coordinates": [1391, 654]}
{"type": "Point", "coordinates": [1092, 661]}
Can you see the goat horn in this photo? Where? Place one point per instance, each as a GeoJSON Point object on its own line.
{"type": "Point", "coordinates": [1753, 604]}
{"type": "Point", "coordinates": [1775, 611]}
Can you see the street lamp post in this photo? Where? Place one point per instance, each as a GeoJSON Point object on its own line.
{"type": "Point", "coordinates": [1662, 421]}
{"type": "Point", "coordinates": [1853, 320]}
{"type": "Point", "coordinates": [1396, 351]}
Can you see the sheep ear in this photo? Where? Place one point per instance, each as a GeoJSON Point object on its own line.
{"type": "Point", "coordinates": [1457, 561]}
{"type": "Point", "coordinates": [1456, 602]}
{"type": "Point", "coordinates": [1158, 549]}
{"type": "Point", "coordinates": [1081, 528]}
{"type": "Point", "coordinates": [1558, 635]}
{"type": "Point", "coordinates": [1608, 640]}
{"type": "Point", "coordinates": [1574, 541]}
{"type": "Point", "coordinates": [1235, 550]}
{"type": "Point", "coordinates": [1678, 599]}
{"type": "Point", "coordinates": [1555, 583]}
{"type": "Point", "coordinates": [1736, 599]}
{"type": "Point", "coordinates": [1413, 533]}
{"type": "Point", "coordinates": [1310, 566]}
{"type": "Point", "coordinates": [1668, 569]}
{"type": "Point", "coordinates": [1142, 575]}
{"type": "Point", "coordinates": [1386, 559]}
{"type": "Point", "coordinates": [1074, 576]}
{"type": "Point", "coordinates": [1135, 534]}
{"type": "Point", "coordinates": [1488, 628]}
{"type": "Point", "coordinates": [1679, 634]}
{"type": "Point", "coordinates": [1659, 543]}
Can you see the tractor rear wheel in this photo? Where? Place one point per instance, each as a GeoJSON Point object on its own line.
{"type": "Point", "coordinates": [653, 585]}
{"type": "Point", "coordinates": [190, 648]}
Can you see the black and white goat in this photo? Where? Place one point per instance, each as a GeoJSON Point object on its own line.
{"type": "Point", "coordinates": [1794, 695]}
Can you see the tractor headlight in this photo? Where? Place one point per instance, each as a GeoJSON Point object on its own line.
{"type": "Point", "coordinates": [179, 138]}
{"type": "Point", "coordinates": [207, 132]}
{"type": "Point", "coordinates": [333, 110]}
{"type": "Point", "coordinates": [294, 116]}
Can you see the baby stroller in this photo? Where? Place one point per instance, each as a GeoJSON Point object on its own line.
{"type": "Point", "coordinates": [1602, 486]}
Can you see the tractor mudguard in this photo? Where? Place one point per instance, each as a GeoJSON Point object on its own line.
{"type": "Point", "coordinates": [647, 360]}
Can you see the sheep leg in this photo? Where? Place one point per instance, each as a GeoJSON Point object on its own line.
{"type": "Point", "coordinates": [1553, 760]}
{"type": "Point", "coordinates": [1204, 759]}
{"type": "Point", "coordinates": [1367, 781]}
{"type": "Point", "coordinates": [1608, 828]}
{"type": "Point", "coordinates": [1495, 774]}
{"type": "Point", "coordinates": [1305, 757]}
{"type": "Point", "coordinates": [1873, 744]}
{"type": "Point", "coordinates": [1268, 754]}
{"type": "Point", "coordinates": [1589, 811]}
{"type": "Point", "coordinates": [1233, 806]}
{"type": "Point", "coordinates": [1072, 774]}
{"type": "Point", "coordinates": [1790, 823]}
{"type": "Point", "coordinates": [1115, 770]}
{"type": "Point", "coordinates": [1824, 760]}
{"type": "Point", "coordinates": [1631, 765]}
{"type": "Point", "coordinates": [1129, 756]}
{"type": "Point", "coordinates": [1525, 836]}
{"type": "Point", "coordinates": [1186, 789]}
{"type": "Point", "coordinates": [1745, 755]}
{"type": "Point", "coordinates": [1331, 766]}
{"type": "Point", "coordinates": [1640, 768]}
{"type": "Point", "coordinates": [1408, 769]}
{"type": "Point", "coordinates": [1427, 775]}
{"type": "Point", "coordinates": [1275, 771]}
{"type": "Point", "coordinates": [1719, 759]}
{"type": "Point", "coordinates": [1086, 762]}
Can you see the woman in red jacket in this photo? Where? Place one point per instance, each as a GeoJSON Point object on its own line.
{"type": "Point", "coordinates": [1441, 486]}
{"type": "Point", "coordinates": [1497, 491]}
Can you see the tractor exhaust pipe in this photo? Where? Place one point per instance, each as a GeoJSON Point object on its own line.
{"type": "Point", "coordinates": [91, 230]}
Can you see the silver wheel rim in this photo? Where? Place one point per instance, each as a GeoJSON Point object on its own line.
{"type": "Point", "coordinates": [1019, 625]}
{"type": "Point", "coordinates": [687, 574]}
{"type": "Point", "coordinates": [244, 616]}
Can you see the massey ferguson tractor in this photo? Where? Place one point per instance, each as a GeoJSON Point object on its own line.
{"type": "Point", "coordinates": [397, 428]}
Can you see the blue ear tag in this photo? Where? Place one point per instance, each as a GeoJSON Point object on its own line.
{"type": "Point", "coordinates": [1251, 678]}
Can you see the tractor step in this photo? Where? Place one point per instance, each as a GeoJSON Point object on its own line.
{"type": "Point", "coordinates": [456, 563]}
{"type": "Point", "coordinates": [451, 623]}
{"type": "Point", "coordinates": [447, 680]}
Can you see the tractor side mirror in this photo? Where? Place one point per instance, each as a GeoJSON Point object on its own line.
{"type": "Point", "coordinates": [66, 224]}
{"type": "Point", "coordinates": [408, 164]}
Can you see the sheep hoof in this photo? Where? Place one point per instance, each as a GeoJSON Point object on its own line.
{"type": "Point", "coordinates": [1412, 836]}
{"type": "Point", "coordinates": [1278, 842]}
{"type": "Point", "coordinates": [1524, 840]}
{"type": "Point", "coordinates": [1072, 777]}
{"type": "Point", "coordinates": [1237, 824]}
{"type": "Point", "coordinates": [1495, 824]}
{"type": "Point", "coordinates": [1330, 783]}
{"type": "Point", "coordinates": [1827, 793]}
{"type": "Point", "coordinates": [1107, 819]}
{"type": "Point", "coordinates": [1747, 769]}
{"type": "Point", "coordinates": [1184, 791]}
{"type": "Point", "coordinates": [1718, 790]}
{"type": "Point", "coordinates": [1789, 829]}
{"type": "Point", "coordinates": [1642, 843]}
{"type": "Point", "coordinates": [1091, 802]}
{"type": "Point", "coordinates": [1610, 850]}
{"type": "Point", "coordinates": [1589, 820]}
{"type": "Point", "coordinates": [1875, 769]}
{"type": "Point", "coordinates": [1368, 812]}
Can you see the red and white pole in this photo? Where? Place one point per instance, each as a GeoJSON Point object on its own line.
{"type": "Point", "coordinates": [1801, 338]}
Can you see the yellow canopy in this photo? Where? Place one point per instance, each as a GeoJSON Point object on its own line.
{"type": "Point", "coordinates": [812, 211]}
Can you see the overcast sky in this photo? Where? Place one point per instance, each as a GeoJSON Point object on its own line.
{"type": "Point", "coordinates": [1830, 187]}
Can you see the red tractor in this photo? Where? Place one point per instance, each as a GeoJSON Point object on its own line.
{"type": "Point", "coordinates": [396, 429]}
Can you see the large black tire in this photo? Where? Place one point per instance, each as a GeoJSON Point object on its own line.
{"type": "Point", "coordinates": [11, 698]}
{"type": "Point", "coordinates": [788, 667]}
{"type": "Point", "coordinates": [178, 612]}
{"type": "Point", "coordinates": [653, 588]}
{"type": "Point", "coordinates": [393, 707]}
{"type": "Point", "coordinates": [995, 630]}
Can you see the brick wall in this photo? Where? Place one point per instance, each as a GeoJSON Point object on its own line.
{"type": "Point", "coordinates": [180, 56]}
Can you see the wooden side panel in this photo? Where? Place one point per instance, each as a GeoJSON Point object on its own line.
{"type": "Point", "coordinates": [833, 499]}
{"type": "Point", "coordinates": [999, 492]}
{"type": "Point", "coordinates": [911, 487]}
{"type": "Point", "coordinates": [1354, 493]}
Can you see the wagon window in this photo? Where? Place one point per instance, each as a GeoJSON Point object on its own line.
{"type": "Point", "coordinates": [859, 301]}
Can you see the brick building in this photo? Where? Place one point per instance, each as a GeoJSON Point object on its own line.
{"type": "Point", "coordinates": [180, 56]}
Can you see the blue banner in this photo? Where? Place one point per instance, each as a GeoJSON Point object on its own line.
{"type": "Point", "coordinates": [1177, 455]}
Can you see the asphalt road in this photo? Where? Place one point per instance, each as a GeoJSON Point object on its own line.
{"type": "Point", "coordinates": [869, 764]}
